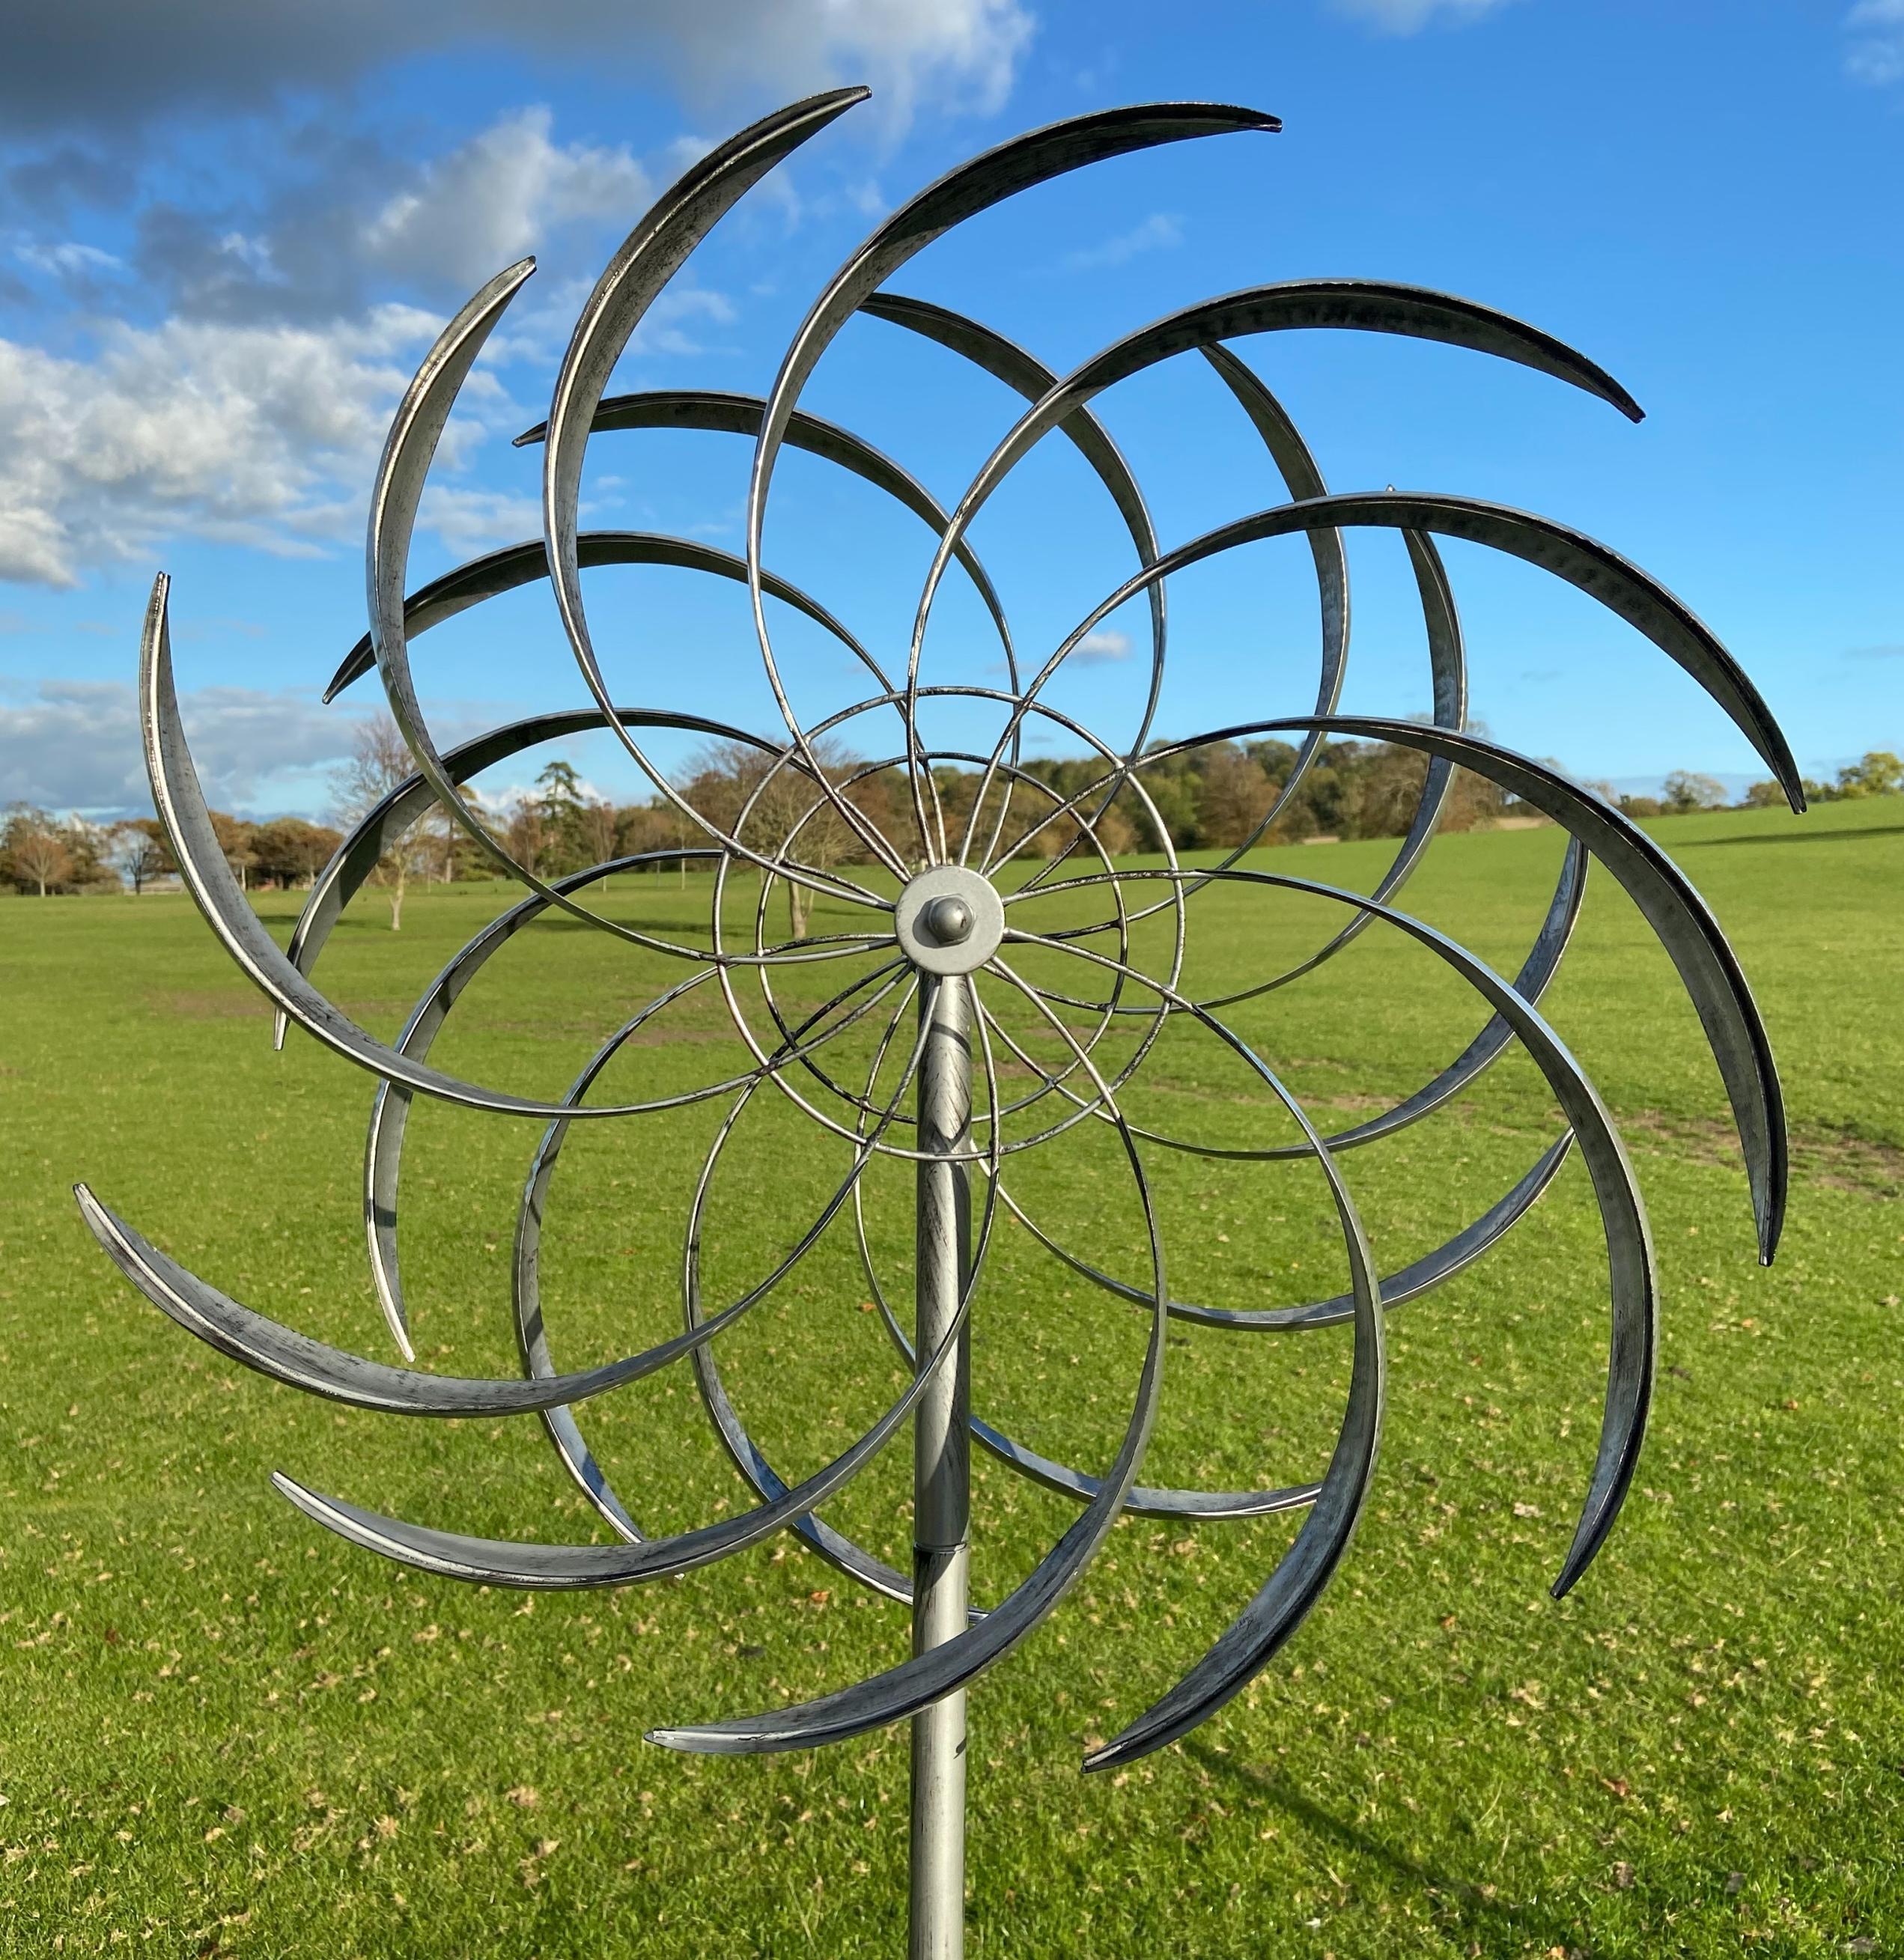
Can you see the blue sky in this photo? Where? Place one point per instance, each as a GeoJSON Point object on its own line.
{"type": "Point", "coordinates": [228, 233]}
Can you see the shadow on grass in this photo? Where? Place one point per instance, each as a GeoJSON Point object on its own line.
{"type": "Point", "coordinates": [1794, 837]}
{"type": "Point", "coordinates": [1460, 1906]}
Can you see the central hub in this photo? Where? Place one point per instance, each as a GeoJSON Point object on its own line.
{"type": "Point", "coordinates": [949, 920]}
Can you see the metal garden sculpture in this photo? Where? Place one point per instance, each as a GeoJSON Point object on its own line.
{"type": "Point", "coordinates": [948, 941]}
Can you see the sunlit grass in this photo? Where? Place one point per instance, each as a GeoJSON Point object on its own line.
{"type": "Point", "coordinates": [222, 1732]}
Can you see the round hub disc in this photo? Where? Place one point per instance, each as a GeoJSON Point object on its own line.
{"type": "Point", "coordinates": [949, 920]}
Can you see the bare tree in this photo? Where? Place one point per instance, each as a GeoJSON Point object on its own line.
{"type": "Point", "coordinates": [1687, 789]}
{"type": "Point", "coordinates": [40, 857]}
{"type": "Point", "coordinates": [527, 836]}
{"type": "Point", "coordinates": [596, 826]}
{"type": "Point", "coordinates": [139, 852]}
{"type": "Point", "coordinates": [790, 818]}
{"type": "Point", "coordinates": [380, 760]}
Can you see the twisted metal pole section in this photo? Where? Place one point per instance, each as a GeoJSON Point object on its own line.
{"type": "Point", "coordinates": [941, 1466]}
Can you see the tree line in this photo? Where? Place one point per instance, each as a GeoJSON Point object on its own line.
{"type": "Point", "coordinates": [1213, 797]}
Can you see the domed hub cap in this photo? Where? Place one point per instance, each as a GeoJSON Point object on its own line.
{"type": "Point", "coordinates": [949, 920]}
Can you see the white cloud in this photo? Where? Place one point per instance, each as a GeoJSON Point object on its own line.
{"type": "Point", "coordinates": [964, 53]}
{"type": "Point", "coordinates": [470, 520]}
{"type": "Point", "coordinates": [260, 752]}
{"type": "Point", "coordinates": [1877, 53]}
{"type": "Point", "coordinates": [1106, 644]}
{"type": "Point", "coordinates": [69, 259]}
{"type": "Point", "coordinates": [117, 66]}
{"type": "Point", "coordinates": [265, 436]}
{"type": "Point", "coordinates": [74, 745]}
{"type": "Point", "coordinates": [1410, 16]}
{"type": "Point", "coordinates": [1158, 232]}
{"type": "Point", "coordinates": [490, 202]}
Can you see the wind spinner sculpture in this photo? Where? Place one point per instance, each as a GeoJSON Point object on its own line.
{"type": "Point", "coordinates": [949, 942]}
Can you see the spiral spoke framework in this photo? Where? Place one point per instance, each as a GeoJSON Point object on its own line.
{"type": "Point", "coordinates": [1102, 1020]}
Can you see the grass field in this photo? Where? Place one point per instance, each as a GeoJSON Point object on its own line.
{"type": "Point", "coordinates": [223, 1731]}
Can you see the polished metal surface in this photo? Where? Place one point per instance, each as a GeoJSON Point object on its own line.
{"type": "Point", "coordinates": [995, 1027]}
{"type": "Point", "coordinates": [941, 1446]}
{"type": "Point", "coordinates": [949, 920]}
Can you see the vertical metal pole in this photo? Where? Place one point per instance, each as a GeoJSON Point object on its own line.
{"type": "Point", "coordinates": [942, 1474]}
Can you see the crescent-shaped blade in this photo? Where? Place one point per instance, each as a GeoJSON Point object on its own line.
{"type": "Point", "coordinates": [972, 187]}
{"type": "Point", "coordinates": [1292, 1589]}
{"type": "Point", "coordinates": [1024, 161]}
{"type": "Point", "coordinates": [514, 565]}
{"type": "Point", "coordinates": [1590, 566]}
{"type": "Point", "coordinates": [1633, 1285]}
{"type": "Point", "coordinates": [721, 411]}
{"type": "Point", "coordinates": [1240, 1651]}
{"type": "Point", "coordinates": [180, 803]}
{"type": "Point", "coordinates": [525, 1263]}
{"type": "Point", "coordinates": [1708, 967]}
{"type": "Point", "coordinates": [1350, 303]}
{"type": "Point", "coordinates": [1409, 1282]}
{"type": "Point", "coordinates": [880, 1699]}
{"type": "Point", "coordinates": [401, 473]}
{"type": "Point", "coordinates": [644, 262]}
{"type": "Point", "coordinates": [1026, 376]}
{"type": "Point", "coordinates": [570, 1567]}
{"type": "Point", "coordinates": [647, 259]}
{"type": "Point", "coordinates": [299, 1362]}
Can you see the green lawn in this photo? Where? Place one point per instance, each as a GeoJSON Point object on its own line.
{"type": "Point", "coordinates": [224, 1732]}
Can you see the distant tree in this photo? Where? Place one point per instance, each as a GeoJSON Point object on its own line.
{"type": "Point", "coordinates": [656, 826]}
{"type": "Point", "coordinates": [90, 846]}
{"type": "Point", "coordinates": [787, 813]}
{"type": "Point", "coordinates": [526, 834]}
{"type": "Point", "coordinates": [448, 850]}
{"type": "Point", "coordinates": [597, 826]}
{"type": "Point", "coordinates": [1237, 795]}
{"type": "Point", "coordinates": [562, 805]}
{"type": "Point", "coordinates": [1877, 773]}
{"type": "Point", "coordinates": [35, 852]}
{"type": "Point", "coordinates": [380, 760]}
{"type": "Point", "coordinates": [1117, 835]}
{"type": "Point", "coordinates": [1686, 789]}
{"type": "Point", "coordinates": [1767, 795]}
{"type": "Point", "coordinates": [140, 852]}
{"type": "Point", "coordinates": [235, 837]}
{"type": "Point", "coordinates": [288, 851]}
{"type": "Point", "coordinates": [1637, 806]}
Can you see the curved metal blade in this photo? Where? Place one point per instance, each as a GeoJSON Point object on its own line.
{"type": "Point", "coordinates": [515, 565]}
{"type": "Point", "coordinates": [568, 1567]}
{"type": "Point", "coordinates": [720, 412]}
{"type": "Point", "coordinates": [299, 1362]}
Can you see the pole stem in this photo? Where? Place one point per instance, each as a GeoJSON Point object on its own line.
{"type": "Point", "coordinates": [941, 1471]}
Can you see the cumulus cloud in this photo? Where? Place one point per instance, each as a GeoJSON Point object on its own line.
{"type": "Point", "coordinates": [1876, 52]}
{"type": "Point", "coordinates": [265, 436]}
{"type": "Point", "coordinates": [486, 205]}
{"type": "Point", "coordinates": [74, 745]}
{"type": "Point", "coordinates": [1158, 232]}
{"type": "Point", "coordinates": [1410, 16]}
{"type": "Point", "coordinates": [344, 222]}
{"type": "Point", "coordinates": [260, 751]}
{"type": "Point", "coordinates": [246, 403]}
{"type": "Point", "coordinates": [1106, 644]}
{"type": "Point", "coordinates": [107, 67]}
